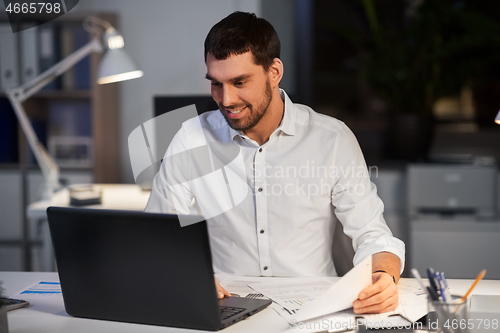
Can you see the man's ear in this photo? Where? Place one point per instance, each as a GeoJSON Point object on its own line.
{"type": "Point", "coordinates": [276, 72]}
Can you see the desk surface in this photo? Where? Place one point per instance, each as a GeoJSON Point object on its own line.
{"type": "Point", "coordinates": [50, 316]}
{"type": "Point", "coordinates": [114, 196]}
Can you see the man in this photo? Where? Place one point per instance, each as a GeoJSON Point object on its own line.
{"type": "Point", "coordinates": [303, 169]}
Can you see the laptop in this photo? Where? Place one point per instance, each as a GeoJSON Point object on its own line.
{"type": "Point", "coordinates": [141, 268]}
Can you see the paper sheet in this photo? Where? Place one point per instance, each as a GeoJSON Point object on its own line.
{"type": "Point", "coordinates": [293, 294]}
{"type": "Point", "coordinates": [412, 300]}
{"type": "Point", "coordinates": [40, 290]}
{"type": "Point", "coordinates": [341, 294]}
{"type": "Point", "coordinates": [240, 284]}
{"type": "Point", "coordinates": [336, 322]}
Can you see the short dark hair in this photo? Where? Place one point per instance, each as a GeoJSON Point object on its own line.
{"type": "Point", "coordinates": [241, 32]}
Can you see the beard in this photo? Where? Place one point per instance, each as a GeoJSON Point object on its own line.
{"type": "Point", "coordinates": [255, 114]}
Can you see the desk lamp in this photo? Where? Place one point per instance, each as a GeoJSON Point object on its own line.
{"type": "Point", "coordinates": [497, 119]}
{"type": "Point", "coordinates": [116, 65]}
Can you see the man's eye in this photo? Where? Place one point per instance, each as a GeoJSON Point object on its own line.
{"type": "Point", "coordinates": [216, 84]}
{"type": "Point", "coordinates": [239, 83]}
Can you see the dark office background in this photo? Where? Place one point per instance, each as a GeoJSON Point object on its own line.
{"type": "Point", "coordinates": [424, 85]}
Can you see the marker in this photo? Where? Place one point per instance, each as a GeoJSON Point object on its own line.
{"type": "Point", "coordinates": [432, 279]}
{"type": "Point", "coordinates": [433, 293]}
{"type": "Point", "coordinates": [417, 276]}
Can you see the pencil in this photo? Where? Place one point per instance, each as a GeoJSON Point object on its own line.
{"type": "Point", "coordinates": [479, 278]}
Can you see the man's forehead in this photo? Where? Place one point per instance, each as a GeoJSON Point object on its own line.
{"type": "Point", "coordinates": [232, 67]}
{"type": "Point", "coordinates": [244, 59]}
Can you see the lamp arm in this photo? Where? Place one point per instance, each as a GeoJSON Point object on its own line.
{"type": "Point", "coordinates": [49, 167]}
{"type": "Point", "coordinates": [30, 88]}
{"type": "Point", "coordinates": [18, 95]}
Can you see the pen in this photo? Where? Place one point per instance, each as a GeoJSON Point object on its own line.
{"type": "Point", "coordinates": [444, 280]}
{"type": "Point", "coordinates": [447, 287]}
{"type": "Point", "coordinates": [440, 284]}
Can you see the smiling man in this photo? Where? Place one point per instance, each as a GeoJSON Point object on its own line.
{"type": "Point", "coordinates": [304, 170]}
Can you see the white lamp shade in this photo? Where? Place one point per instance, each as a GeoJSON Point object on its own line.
{"type": "Point", "coordinates": [116, 65]}
{"type": "Point", "coordinates": [497, 119]}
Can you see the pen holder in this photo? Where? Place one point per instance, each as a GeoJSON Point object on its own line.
{"type": "Point", "coordinates": [447, 317]}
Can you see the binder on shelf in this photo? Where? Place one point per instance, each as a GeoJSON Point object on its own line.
{"type": "Point", "coordinates": [40, 127]}
{"type": "Point", "coordinates": [49, 51]}
{"type": "Point", "coordinates": [70, 139]}
{"type": "Point", "coordinates": [82, 68]}
{"type": "Point", "coordinates": [68, 78]}
{"type": "Point", "coordinates": [29, 51]}
{"type": "Point", "coordinates": [73, 37]}
{"type": "Point", "coordinates": [9, 78]}
{"type": "Point", "coordinates": [9, 152]}
{"type": "Point", "coordinates": [69, 118]}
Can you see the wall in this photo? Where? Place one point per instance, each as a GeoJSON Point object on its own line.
{"type": "Point", "coordinates": [166, 39]}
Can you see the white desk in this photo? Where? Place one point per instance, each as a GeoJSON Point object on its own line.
{"type": "Point", "coordinates": [114, 196]}
{"type": "Point", "coordinates": [50, 316]}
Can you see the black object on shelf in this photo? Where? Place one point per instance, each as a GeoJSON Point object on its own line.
{"type": "Point", "coordinates": [84, 195]}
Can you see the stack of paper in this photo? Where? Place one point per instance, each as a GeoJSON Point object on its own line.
{"type": "Point", "coordinates": [306, 300]}
{"type": "Point", "coordinates": [328, 300]}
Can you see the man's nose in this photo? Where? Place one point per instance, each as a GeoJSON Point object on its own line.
{"type": "Point", "coordinates": [229, 96]}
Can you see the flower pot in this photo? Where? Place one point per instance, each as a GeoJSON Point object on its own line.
{"type": "Point", "coordinates": [4, 325]}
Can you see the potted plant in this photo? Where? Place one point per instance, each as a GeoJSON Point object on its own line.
{"type": "Point", "coordinates": [433, 51]}
{"type": "Point", "coordinates": [4, 327]}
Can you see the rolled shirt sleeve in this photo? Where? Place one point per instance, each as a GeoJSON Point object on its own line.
{"type": "Point", "coordinates": [357, 205]}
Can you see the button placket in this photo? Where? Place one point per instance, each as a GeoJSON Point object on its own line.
{"type": "Point", "coordinates": [261, 212]}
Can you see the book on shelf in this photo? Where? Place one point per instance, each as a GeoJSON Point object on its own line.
{"type": "Point", "coordinates": [29, 50]}
{"type": "Point", "coordinates": [49, 51]}
{"type": "Point", "coordinates": [73, 37]}
{"type": "Point", "coordinates": [9, 61]}
{"type": "Point", "coordinates": [70, 133]}
{"type": "Point", "coordinates": [9, 152]}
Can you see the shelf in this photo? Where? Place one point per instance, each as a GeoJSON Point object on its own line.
{"type": "Point", "coordinates": [59, 94]}
{"type": "Point", "coordinates": [64, 94]}
{"type": "Point", "coordinates": [9, 166]}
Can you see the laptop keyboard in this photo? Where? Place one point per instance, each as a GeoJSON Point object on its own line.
{"type": "Point", "coordinates": [227, 311]}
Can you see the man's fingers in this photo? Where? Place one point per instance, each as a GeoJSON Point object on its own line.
{"type": "Point", "coordinates": [382, 296]}
{"type": "Point", "coordinates": [382, 283]}
{"type": "Point", "coordinates": [221, 292]}
{"type": "Point", "coordinates": [387, 305]}
{"type": "Point", "coordinates": [380, 301]}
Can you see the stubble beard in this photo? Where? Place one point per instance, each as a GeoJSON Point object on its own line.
{"type": "Point", "coordinates": [254, 115]}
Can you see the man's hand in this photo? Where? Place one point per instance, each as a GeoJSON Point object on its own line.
{"type": "Point", "coordinates": [381, 296]}
{"type": "Point", "coordinates": [221, 292]}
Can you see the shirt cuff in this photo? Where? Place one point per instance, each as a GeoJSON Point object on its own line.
{"type": "Point", "coordinates": [392, 245]}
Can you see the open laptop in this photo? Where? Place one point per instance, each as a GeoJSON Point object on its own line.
{"type": "Point", "coordinates": [142, 268]}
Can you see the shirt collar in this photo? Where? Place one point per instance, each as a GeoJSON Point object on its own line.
{"type": "Point", "coordinates": [287, 124]}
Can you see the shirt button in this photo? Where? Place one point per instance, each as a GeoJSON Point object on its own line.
{"type": "Point", "coordinates": [260, 150]}
{"type": "Point", "coordinates": [265, 268]}
{"type": "Point", "coordinates": [261, 231]}
{"type": "Point", "coordinates": [260, 189]}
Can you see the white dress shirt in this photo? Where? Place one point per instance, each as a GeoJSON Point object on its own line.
{"type": "Point", "coordinates": [271, 209]}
